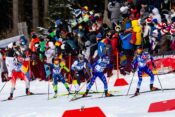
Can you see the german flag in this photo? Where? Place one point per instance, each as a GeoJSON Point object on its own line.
{"type": "Point", "coordinates": [25, 67]}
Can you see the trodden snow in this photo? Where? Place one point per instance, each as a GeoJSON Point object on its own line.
{"type": "Point", "coordinates": [122, 106]}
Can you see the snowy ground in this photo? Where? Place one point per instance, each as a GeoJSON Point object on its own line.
{"type": "Point", "coordinates": [122, 106]}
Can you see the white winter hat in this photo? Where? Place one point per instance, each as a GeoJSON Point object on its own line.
{"type": "Point", "coordinates": [155, 11]}
{"type": "Point", "coordinates": [51, 45]}
{"type": "Point", "coordinates": [124, 9]}
{"type": "Point", "coordinates": [163, 31]}
{"type": "Point", "coordinates": [172, 31]}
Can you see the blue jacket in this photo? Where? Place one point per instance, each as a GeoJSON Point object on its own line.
{"type": "Point", "coordinates": [101, 47]}
{"type": "Point", "coordinates": [126, 41]}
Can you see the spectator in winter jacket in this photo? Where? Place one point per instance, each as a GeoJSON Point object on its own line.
{"type": "Point", "coordinates": [101, 45]}
{"type": "Point", "coordinates": [114, 8]}
{"type": "Point", "coordinates": [34, 40]}
{"type": "Point", "coordinates": [137, 30]}
{"type": "Point", "coordinates": [115, 43]}
{"type": "Point", "coordinates": [156, 15]}
{"type": "Point", "coordinates": [126, 37]}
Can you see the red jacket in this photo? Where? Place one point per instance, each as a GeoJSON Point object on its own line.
{"type": "Point", "coordinates": [115, 43]}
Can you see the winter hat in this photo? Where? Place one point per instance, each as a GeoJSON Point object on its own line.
{"type": "Point", "coordinates": [91, 12]}
{"type": "Point", "coordinates": [173, 25]}
{"type": "Point", "coordinates": [124, 9]}
{"type": "Point", "coordinates": [148, 20]}
{"type": "Point", "coordinates": [85, 8]}
{"type": "Point", "coordinates": [97, 15]}
{"type": "Point", "coordinates": [36, 45]}
{"type": "Point", "coordinates": [99, 35]}
{"type": "Point", "coordinates": [172, 31]}
{"type": "Point", "coordinates": [155, 11]}
{"type": "Point", "coordinates": [163, 31]}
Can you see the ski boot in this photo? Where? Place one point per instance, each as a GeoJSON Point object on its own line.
{"type": "Point", "coordinates": [137, 92]}
{"type": "Point", "coordinates": [55, 95]}
{"type": "Point", "coordinates": [152, 88]}
{"type": "Point", "coordinates": [68, 90]}
{"type": "Point", "coordinates": [108, 94]}
{"type": "Point", "coordinates": [11, 96]}
{"type": "Point", "coordinates": [86, 93]}
{"type": "Point", "coordinates": [28, 92]}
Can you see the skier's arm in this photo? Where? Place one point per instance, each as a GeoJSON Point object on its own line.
{"type": "Point", "coordinates": [134, 63]}
{"type": "Point", "coordinates": [110, 66]}
{"type": "Point", "coordinates": [93, 66]}
{"type": "Point", "coordinates": [73, 67]}
{"type": "Point", "coordinates": [88, 64]}
{"type": "Point", "coordinates": [63, 66]}
{"type": "Point", "coordinates": [152, 61]}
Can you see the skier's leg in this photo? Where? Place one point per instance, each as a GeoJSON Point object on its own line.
{"type": "Point", "coordinates": [92, 80]}
{"type": "Point", "coordinates": [77, 76]}
{"type": "Point", "coordinates": [150, 73]}
{"type": "Point", "coordinates": [76, 82]}
{"type": "Point", "coordinates": [140, 79]}
{"type": "Point", "coordinates": [27, 83]}
{"type": "Point", "coordinates": [86, 75]}
{"type": "Point", "coordinates": [55, 82]}
{"type": "Point", "coordinates": [64, 82]}
{"type": "Point", "coordinates": [13, 81]}
{"type": "Point", "coordinates": [103, 79]}
{"type": "Point", "coordinates": [139, 82]}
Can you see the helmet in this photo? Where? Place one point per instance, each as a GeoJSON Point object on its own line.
{"type": "Point", "coordinates": [86, 8]}
{"type": "Point", "coordinates": [139, 51]}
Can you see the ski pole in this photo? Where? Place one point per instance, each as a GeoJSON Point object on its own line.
{"type": "Point", "coordinates": [48, 88]}
{"type": "Point", "coordinates": [130, 83]}
{"type": "Point", "coordinates": [3, 87]}
{"type": "Point", "coordinates": [96, 86]}
{"type": "Point", "coordinates": [160, 83]}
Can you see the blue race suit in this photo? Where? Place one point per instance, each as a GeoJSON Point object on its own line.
{"type": "Point", "coordinates": [140, 62]}
{"type": "Point", "coordinates": [81, 69]}
{"type": "Point", "coordinates": [98, 71]}
{"type": "Point", "coordinates": [56, 75]}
